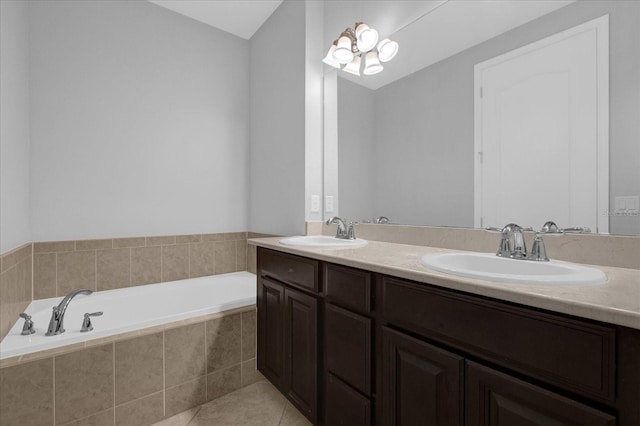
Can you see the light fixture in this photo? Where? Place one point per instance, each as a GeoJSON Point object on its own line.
{"type": "Point", "coordinates": [387, 49]}
{"type": "Point", "coordinates": [353, 67]}
{"type": "Point", "coordinates": [372, 64]}
{"type": "Point", "coordinates": [349, 48]}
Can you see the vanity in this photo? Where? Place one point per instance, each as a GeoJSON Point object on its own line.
{"type": "Point", "coordinates": [371, 336]}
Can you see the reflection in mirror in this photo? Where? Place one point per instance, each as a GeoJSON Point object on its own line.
{"type": "Point", "coordinates": [405, 148]}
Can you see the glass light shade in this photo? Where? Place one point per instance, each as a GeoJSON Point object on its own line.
{"type": "Point", "coordinates": [343, 53]}
{"type": "Point", "coordinates": [366, 38]}
{"type": "Point", "coordinates": [372, 64]}
{"type": "Point", "coordinates": [353, 67]}
{"type": "Point", "coordinates": [329, 59]}
{"type": "Point", "coordinates": [387, 49]}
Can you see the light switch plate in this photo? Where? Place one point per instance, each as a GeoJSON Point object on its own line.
{"type": "Point", "coordinates": [315, 204]}
{"type": "Point", "coordinates": [328, 204]}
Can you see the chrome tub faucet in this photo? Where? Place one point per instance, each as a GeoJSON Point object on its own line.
{"type": "Point", "coordinates": [56, 324]}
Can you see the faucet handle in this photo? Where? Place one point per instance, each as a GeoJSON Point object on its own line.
{"type": "Point", "coordinates": [86, 323]}
{"type": "Point", "coordinates": [27, 328]}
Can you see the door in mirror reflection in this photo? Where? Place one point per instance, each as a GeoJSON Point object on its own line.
{"type": "Point", "coordinates": [540, 150]}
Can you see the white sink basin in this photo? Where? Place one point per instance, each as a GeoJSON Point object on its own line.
{"type": "Point", "coordinates": [488, 266]}
{"type": "Point", "coordinates": [322, 241]}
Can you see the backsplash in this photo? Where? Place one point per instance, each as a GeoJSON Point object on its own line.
{"type": "Point", "coordinates": [594, 249]}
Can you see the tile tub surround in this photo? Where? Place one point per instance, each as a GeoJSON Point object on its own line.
{"type": "Point", "coordinates": [15, 285]}
{"type": "Point", "coordinates": [136, 380]}
{"type": "Point", "coordinates": [615, 302]}
{"type": "Point", "coordinates": [594, 249]}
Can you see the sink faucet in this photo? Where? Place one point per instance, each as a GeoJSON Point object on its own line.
{"type": "Point", "coordinates": [512, 243]}
{"type": "Point", "coordinates": [56, 324]}
{"type": "Point", "coordinates": [343, 232]}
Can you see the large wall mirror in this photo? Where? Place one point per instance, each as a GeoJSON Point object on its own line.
{"type": "Point", "coordinates": [403, 143]}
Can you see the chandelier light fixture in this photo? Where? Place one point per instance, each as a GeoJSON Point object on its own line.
{"type": "Point", "coordinates": [354, 45]}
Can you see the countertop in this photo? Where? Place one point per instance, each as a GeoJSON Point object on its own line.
{"type": "Point", "coordinates": [616, 302]}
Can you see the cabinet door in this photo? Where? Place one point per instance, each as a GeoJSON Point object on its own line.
{"type": "Point", "coordinates": [271, 355]}
{"type": "Point", "coordinates": [300, 339]}
{"type": "Point", "coordinates": [496, 399]}
{"type": "Point", "coordinates": [421, 384]}
{"type": "Point", "coordinates": [345, 406]}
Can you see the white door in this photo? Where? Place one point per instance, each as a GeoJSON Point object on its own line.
{"type": "Point", "coordinates": [537, 133]}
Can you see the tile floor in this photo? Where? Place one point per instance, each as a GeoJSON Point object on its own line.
{"type": "Point", "coordinates": [256, 404]}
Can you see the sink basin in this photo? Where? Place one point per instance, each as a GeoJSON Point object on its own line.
{"type": "Point", "coordinates": [488, 266]}
{"type": "Point", "coordinates": [322, 241]}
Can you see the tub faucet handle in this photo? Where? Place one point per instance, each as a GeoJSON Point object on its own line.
{"type": "Point", "coordinates": [86, 323]}
{"type": "Point", "coordinates": [27, 328]}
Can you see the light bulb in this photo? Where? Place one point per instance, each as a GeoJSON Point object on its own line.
{"type": "Point", "coordinates": [329, 59]}
{"type": "Point", "coordinates": [366, 38]}
{"type": "Point", "coordinates": [343, 53]}
{"type": "Point", "coordinates": [372, 64]}
{"type": "Point", "coordinates": [353, 67]}
{"type": "Point", "coordinates": [387, 49]}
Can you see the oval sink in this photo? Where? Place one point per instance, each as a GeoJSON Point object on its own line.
{"type": "Point", "coordinates": [488, 266]}
{"type": "Point", "coordinates": [322, 241]}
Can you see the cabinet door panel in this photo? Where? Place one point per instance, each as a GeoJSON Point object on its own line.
{"type": "Point", "coordinates": [345, 406]}
{"type": "Point", "coordinates": [496, 399]}
{"type": "Point", "coordinates": [348, 347]}
{"type": "Point", "coordinates": [270, 331]}
{"type": "Point", "coordinates": [300, 330]}
{"type": "Point", "coordinates": [421, 384]}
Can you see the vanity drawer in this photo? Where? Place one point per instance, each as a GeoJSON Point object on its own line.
{"type": "Point", "coordinates": [348, 347]}
{"type": "Point", "coordinates": [348, 287]}
{"type": "Point", "coordinates": [293, 270]}
{"type": "Point", "coordinates": [576, 355]}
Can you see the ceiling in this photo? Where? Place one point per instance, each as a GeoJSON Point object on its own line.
{"type": "Point", "coordinates": [238, 17]}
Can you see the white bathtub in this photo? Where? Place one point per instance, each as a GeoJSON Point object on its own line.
{"type": "Point", "coordinates": [132, 308]}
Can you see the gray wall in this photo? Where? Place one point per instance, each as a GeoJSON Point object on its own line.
{"type": "Point", "coordinates": [424, 122]}
{"type": "Point", "coordinates": [14, 125]}
{"type": "Point", "coordinates": [356, 162]}
{"type": "Point", "coordinates": [277, 129]}
{"type": "Point", "coordinates": [139, 122]}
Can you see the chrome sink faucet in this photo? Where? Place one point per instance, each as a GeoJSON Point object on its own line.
{"type": "Point", "coordinates": [56, 324]}
{"type": "Point", "coordinates": [343, 232]}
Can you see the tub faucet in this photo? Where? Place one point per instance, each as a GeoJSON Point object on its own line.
{"type": "Point", "coordinates": [56, 324]}
{"type": "Point", "coordinates": [343, 232]}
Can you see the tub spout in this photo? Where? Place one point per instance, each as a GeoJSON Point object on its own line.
{"type": "Point", "coordinates": [56, 324]}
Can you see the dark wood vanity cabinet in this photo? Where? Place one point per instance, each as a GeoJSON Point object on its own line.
{"type": "Point", "coordinates": [288, 327]}
{"type": "Point", "coordinates": [350, 347]}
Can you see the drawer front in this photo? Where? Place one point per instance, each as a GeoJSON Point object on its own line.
{"type": "Point", "coordinates": [290, 269]}
{"type": "Point", "coordinates": [345, 406]}
{"type": "Point", "coordinates": [348, 287]}
{"type": "Point", "coordinates": [348, 347]}
{"type": "Point", "coordinates": [495, 399]}
{"type": "Point", "coordinates": [575, 355]}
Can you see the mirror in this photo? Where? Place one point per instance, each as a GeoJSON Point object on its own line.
{"type": "Point", "coordinates": [401, 143]}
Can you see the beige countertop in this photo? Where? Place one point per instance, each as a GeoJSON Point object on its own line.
{"type": "Point", "coordinates": [616, 302]}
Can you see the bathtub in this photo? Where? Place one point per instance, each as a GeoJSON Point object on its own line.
{"type": "Point", "coordinates": [132, 308]}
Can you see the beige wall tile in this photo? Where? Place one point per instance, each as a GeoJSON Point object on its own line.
{"type": "Point", "coordinates": [185, 396]}
{"type": "Point", "coordinates": [201, 259]}
{"type": "Point", "coordinates": [249, 335]}
{"type": "Point", "coordinates": [223, 382]}
{"type": "Point", "coordinates": [26, 394]}
{"type": "Point", "coordinates": [182, 239]}
{"type": "Point", "coordinates": [143, 411]}
{"type": "Point", "coordinates": [94, 244]}
{"type": "Point", "coordinates": [139, 365]}
{"type": "Point", "coordinates": [250, 373]}
{"type": "Point", "coordinates": [44, 275]}
{"type": "Point", "coordinates": [146, 265]}
{"type": "Point", "coordinates": [212, 237]}
{"type": "Point", "coordinates": [184, 354]}
{"type": "Point", "coordinates": [113, 268]}
{"type": "Point", "coordinates": [51, 246]}
{"type": "Point", "coordinates": [103, 418]}
{"type": "Point", "coordinates": [225, 256]}
{"type": "Point", "coordinates": [15, 294]}
{"type": "Point", "coordinates": [13, 257]}
{"type": "Point", "coordinates": [161, 241]}
{"type": "Point", "coordinates": [175, 262]}
{"type": "Point", "coordinates": [223, 342]}
{"type": "Point", "coordinates": [76, 269]}
{"type": "Point", "coordinates": [232, 236]}
{"type": "Point", "coordinates": [252, 259]}
{"type": "Point", "coordinates": [83, 383]}
{"type": "Point", "coordinates": [241, 255]}
{"type": "Point", "coordinates": [129, 242]}
{"type": "Point", "coordinates": [180, 419]}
